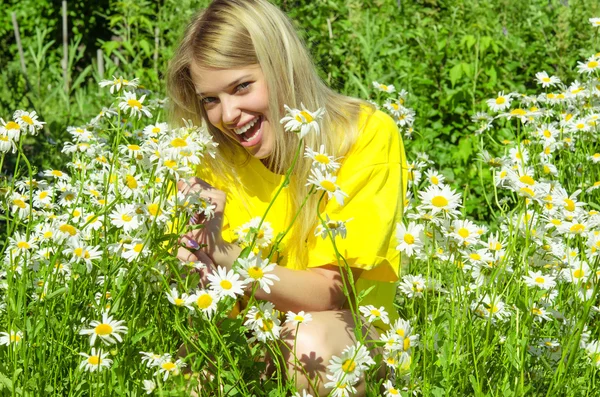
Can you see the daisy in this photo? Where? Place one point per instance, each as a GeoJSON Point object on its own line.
{"type": "Point", "coordinates": [592, 349]}
{"type": "Point", "coordinates": [7, 143]}
{"type": "Point", "coordinates": [354, 360]}
{"type": "Point", "coordinates": [540, 313]}
{"type": "Point", "coordinates": [267, 328]}
{"type": "Point", "coordinates": [595, 21]}
{"type": "Point", "coordinates": [117, 83]}
{"type": "Point", "coordinates": [545, 80]}
{"type": "Point", "coordinates": [390, 390]}
{"type": "Point", "coordinates": [251, 230]}
{"type": "Point", "coordinates": [134, 105]}
{"type": "Point", "coordinates": [297, 318]}
{"type": "Point", "coordinates": [440, 199]}
{"type": "Point", "coordinates": [96, 361]}
{"type": "Point", "coordinates": [371, 313]}
{"type": "Point", "coordinates": [321, 159]}
{"type": "Point", "coordinates": [135, 249]}
{"type": "Point", "coordinates": [255, 315]}
{"type": "Point", "coordinates": [124, 217]}
{"type": "Point", "coordinates": [384, 88]}
{"type": "Point", "coordinates": [82, 253]}
{"type": "Point", "coordinates": [434, 177]}
{"type": "Point", "coordinates": [589, 66]}
{"type": "Point", "coordinates": [10, 129]}
{"type": "Point", "coordinates": [22, 244]}
{"type": "Point", "coordinates": [340, 388]}
{"type": "Point", "coordinates": [226, 283]}
{"type": "Point", "coordinates": [157, 129]}
{"type": "Point", "coordinates": [577, 272]}
{"type": "Point", "coordinates": [465, 232]}
{"type": "Point", "coordinates": [148, 386]}
{"type": "Point", "coordinates": [326, 182]}
{"type": "Point", "coordinates": [184, 300]}
{"type": "Point", "coordinates": [336, 228]}
{"type": "Point", "coordinates": [537, 279]}
{"type": "Point", "coordinates": [302, 121]}
{"type": "Point", "coordinates": [28, 121]}
{"type": "Point", "coordinates": [412, 286]}
{"type": "Point", "coordinates": [410, 238]}
{"type": "Point", "coordinates": [108, 330]}
{"type": "Point", "coordinates": [167, 367]}
{"type": "Point", "coordinates": [10, 338]}
{"type": "Point", "coordinates": [500, 103]}
{"type": "Point", "coordinates": [257, 270]}
{"type": "Point", "coordinates": [491, 308]}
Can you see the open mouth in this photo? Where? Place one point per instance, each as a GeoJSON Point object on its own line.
{"type": "Point", "coordinates": [251, 133]}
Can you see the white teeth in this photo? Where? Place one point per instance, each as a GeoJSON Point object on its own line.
{"type": "Point", "coordinates": [246, 127]}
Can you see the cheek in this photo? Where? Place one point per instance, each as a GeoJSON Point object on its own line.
{"type": "Point", "coordinates": [214, 117]}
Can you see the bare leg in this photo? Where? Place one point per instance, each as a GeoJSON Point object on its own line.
{"type": "Point", "coordinates": [327, 335]}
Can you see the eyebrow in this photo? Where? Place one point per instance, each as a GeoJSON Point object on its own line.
{"type": "Point", "coordinates": [232, 84]}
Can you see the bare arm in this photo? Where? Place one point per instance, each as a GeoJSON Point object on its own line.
{"type": "Point", "coordinates": [313, 289]}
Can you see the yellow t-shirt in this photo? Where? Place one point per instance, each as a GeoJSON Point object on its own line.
{"type": "Point", "coordinates": [373, 174]}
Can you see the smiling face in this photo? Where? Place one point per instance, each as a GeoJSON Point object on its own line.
{"type": "Point", "coordinates": [236, 102]}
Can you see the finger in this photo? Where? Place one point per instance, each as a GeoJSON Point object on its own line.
{"type": "Point", "coordinates": [190, 240]}
{"type": "Point", "coordinates": [185, 255]}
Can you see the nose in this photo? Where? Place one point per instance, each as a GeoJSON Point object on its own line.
{"type": "Point", "coordinates": [230, 111]}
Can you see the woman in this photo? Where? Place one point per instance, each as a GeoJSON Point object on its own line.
{"type": "Point", "coordinates": [238, 64]}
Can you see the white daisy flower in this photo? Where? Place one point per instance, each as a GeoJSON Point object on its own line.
{"type": "Point", "coordinates": [371, 313]}
{"type": "Point", "coordinates": [183, 300]}
{"type": "Point", "coordinates": [326, 182]}
{"type": "Point", "coordinates": [410, 238]}
{"type": "Point", "coordinates": [302, 121]}
{"type": "Point", "coordinates": [321, 159]}
{"type": "Point", "coordinates": [384, 88]}
{"type": "Point", "coordinates": [298, 318]}
{"type": "Point", "coordinates": [226, 283]}
{"type": "Point", "coordinates": [10, 338]}
{"type": "Point", "coordinates": [28, 121]}
{"type": "Point", "coordinates": [135, 106]}
{"type": "Point", "coordinates": [440, 199]}
{"type": "Point", "coordinates": [354, 360]}
{"type": "Point", "coordinates": [500, 103]}
{"type": "Point", "coordinates": [117, 83]}
{"type": "Point", "coordinates": [412, 286]}
{"type": "Point", "coordinates": [336, 228]}
{"type": "Point", "coordinates": [108, 330]}
{"type": "Point", "coordinates": [257, 270]}
{"type": "Point", "coordinates": [545, 80]}
{"type": "Point", "coordinates": [537, 279]}
{"type": "Point", "coordinates": [97, 361]}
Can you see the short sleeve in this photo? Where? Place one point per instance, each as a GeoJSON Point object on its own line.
{"type": "Point", "coordinates": [374, 178]}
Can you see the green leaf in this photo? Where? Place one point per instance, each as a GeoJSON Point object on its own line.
{"type": "Point", "coordinates": [140, 335]}
{"type": "Point", "coordinates": [456, 73]}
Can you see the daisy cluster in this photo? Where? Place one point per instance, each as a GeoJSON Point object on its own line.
{"type": "Point", "coordinates": [94, 223]}
{"type": "Point", "coordinates": [396, 107]}
{"type": "Point", "coordinates": [540, 261]}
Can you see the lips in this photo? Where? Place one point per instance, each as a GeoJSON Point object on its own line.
{"type": "Point", "coordinates": [245, 127]}
{"type": "Point", "coordinates": [253, 135]}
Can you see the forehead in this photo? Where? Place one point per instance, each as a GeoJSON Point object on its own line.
{"type": "Point", "coordinates": [211, 80]}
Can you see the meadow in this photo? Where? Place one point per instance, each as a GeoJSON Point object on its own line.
{"type": "Point", "coordinates": [498, 104]}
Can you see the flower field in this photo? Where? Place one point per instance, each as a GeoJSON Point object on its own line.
{"type": "Point", "coordinates": [93, 301]}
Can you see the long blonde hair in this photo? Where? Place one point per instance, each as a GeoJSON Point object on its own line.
{"type": "Point", "coordinates": [239, 33]}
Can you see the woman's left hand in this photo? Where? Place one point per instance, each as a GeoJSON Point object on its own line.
{"type": "Point", "coordinates": [208, 238]}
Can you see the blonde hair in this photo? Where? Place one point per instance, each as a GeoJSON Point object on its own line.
{"type": "Point", "coordinates": [239, 33]}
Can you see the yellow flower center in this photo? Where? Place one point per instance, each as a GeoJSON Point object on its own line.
{"type": "Point", "coordinates": [577, 228]}
{"type": "Point", "coordinates": [138, 248]}
{"type": "Point", "coordinates": [500, 100]}
{"type": "Point", "coordinates": [409, 238]}
{"type": "Point", "coordinates": [179, 142]}
{"type": "Point", "coordinates": [168, 366]}
{"type": "Point", "coordinates": [103, 329]}
{"type": "Point", "coordinates": [579, 273]}
{"type": "Point", "coordinates": [518, 112]}
{"type": "Point", "coordinates": [134, 103]}
{"type": "Point", "coordinates": [27, 119]}
{"type": "Point", "coordinates": [435, 180]}
{"type": "Point", "coordinates": [226, 284]}
{"type": "Point", "coordinates": [267, 325]}
{"type": "Point", "coordinates": [406, 344]}
{"type": "Point", "coordinates": [569, 205]}
{"type": "Point", "coordinates": [298, 318]}
{"type": "Point", "coordinates": [592, 64]}
{"type": "Point", "coordinates": [255, 272]}
{"type": "Point", "coordinates": [540, 280]}
{"type": "Point", "coordinates": [57, 173]}
{"type": "Point", "coordinates": [306, 116]}
{"type": "Point", "coordinates": [154, 209]}
{"type": "Point", "coordinates": [526, 179]}
{"type": "Point", "coordinates": [23, 245]}
{"type": "Point", "coordinates": [439, 201]}
{"type": "Point", "coordinates": [321, 158]}
{"type": "Point", "coordinates": [348, 366]}
{"type": "Point", "coordinates": [204, 301]}
{"type": "Point", "coordinates": [536, 311]}
{"type": "Point", "coordinates": [179, 302]}
{"type": "Point", "coordinates": [328, 185]}
{"type": "Point", "coordinates": [463, 232]}
{"type": "Point", "coordinates": [94, 360]}
{"type": "Point", "coordinates": [19, 203]}
{"type": "Point", "coordinates": [400, 332]}
{"type": "Point", "coordinates": [131, 182]}
{"type": "Point", "coordinates": [68, 229]}
{"type": "Point", "coordinates": [475, 256]}
{"type": "Point", "coordinates": [376, 313]}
